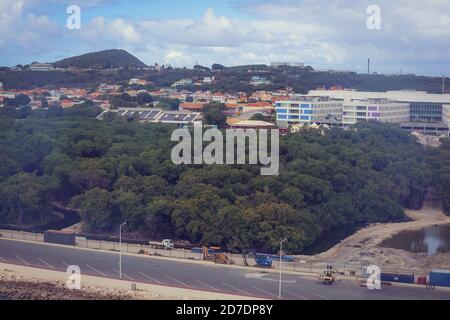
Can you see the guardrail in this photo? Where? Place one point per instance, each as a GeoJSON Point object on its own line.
{"type": "Point", "coordinates": [351, 270]}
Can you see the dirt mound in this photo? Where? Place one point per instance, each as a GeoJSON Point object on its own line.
{"type": "Point", "coordinates": [15, 287]}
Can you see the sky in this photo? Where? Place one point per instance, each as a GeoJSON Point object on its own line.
{"type": "Point", "coordinates": [410, 36]}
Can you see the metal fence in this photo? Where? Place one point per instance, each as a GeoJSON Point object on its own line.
{"type": "Point", "coordinates": [348, 269]}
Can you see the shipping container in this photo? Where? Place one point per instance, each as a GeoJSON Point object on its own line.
{"type": "Point", "coordinates": [440, 278]}
{"type": "Point", "coordinates": [402, 278]}
{"type": "Point", "coordinates": [59, 237]}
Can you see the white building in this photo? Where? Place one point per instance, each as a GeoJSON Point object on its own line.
{"type": "Point", "coordinates": [308, 110]}
{"type": "Point", "coordinates": [182, 82]}
{"type": "Point", "coordinates": [258, 81]}
{"type": "Point", "coordinates": [41, 67]}
{"type": "Point", "coordinates": [376, 110]}
{"type": "Point", "coordinates": [287, 64]}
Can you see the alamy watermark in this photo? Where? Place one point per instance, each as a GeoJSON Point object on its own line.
{"type": "Point", "coordinates": [73, 281]}
{"type": "Point", "coordinates": [374, 19]}
{"type": "Point", "coordinates": [232, 151]}
{"type": "Point", "coordinates": [373, 281]}
{"type": "Point", "coordinates": [73, 22]}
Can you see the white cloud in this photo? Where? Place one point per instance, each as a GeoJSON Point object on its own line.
{"type": "Point", "coordinates": [324, 33]}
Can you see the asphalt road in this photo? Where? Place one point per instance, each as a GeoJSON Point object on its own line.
{"type": "Point", "coordinates": [214, 278]}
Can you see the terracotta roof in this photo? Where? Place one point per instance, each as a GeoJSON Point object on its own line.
{"type": "Point", "coordinates": [191, 105]}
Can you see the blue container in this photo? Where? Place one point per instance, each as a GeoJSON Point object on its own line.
{"type": "Point", "coordinates": [440, 278]}
{"type": "Point", "coordinates": [401, 278]}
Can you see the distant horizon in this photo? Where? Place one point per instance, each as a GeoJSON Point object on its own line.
{"type": "Point", "coordinates": [325, 34]}
{"type": "Point", "coordinates": [231, 66]}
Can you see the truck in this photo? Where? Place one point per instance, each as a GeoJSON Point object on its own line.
{"type": "Point", "coordinates": [261, 259]}
{"type": "Point", "coordinates": [440, 278]}
{"type": "Point", "coordinates": [166, 244]}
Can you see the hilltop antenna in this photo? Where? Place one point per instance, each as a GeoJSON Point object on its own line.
{"type": "Point", "coordinates": [443, 84]}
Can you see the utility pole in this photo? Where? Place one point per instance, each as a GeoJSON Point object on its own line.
{"type": "Point", "coordinates": [279, 282]}
{"type": "Point", "coordinates": [120, 246]}
{"type": "Point", "coordinates": [368, 66]}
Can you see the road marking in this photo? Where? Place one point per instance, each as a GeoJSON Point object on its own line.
{"type": "Point", "coordinates": [65, 263]}
{"type": "Point", "coordinates": [1, 258]}
{"type": "Point", "coordinates": [266, 292]}
{"type": "Point", "coordinates": [207, 285]}
{"type": "Point", "coordinates": [123, 274]}
{"type": "Point", "coordinates": [320, 296]}
{"type": "Point", "coordinates": [255, 275]}
{"type": "Point", "coordinates": [178, 281]}
{"type": "Point", "coordinates": [98, 271]}
{"type": "Point", "coordinates": [148, 277]}
{"type": "Point", "coordinates": [47, 264]}
{"type": "Point", "coordinates": [295, 295]}
{"type": "Point", "coordinates": [237, 289]}
{"type": "Point", "coordinates": [23, 261]}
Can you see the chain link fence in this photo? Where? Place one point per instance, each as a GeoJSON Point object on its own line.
{"type": "Point", "coordinates": [346, 269]}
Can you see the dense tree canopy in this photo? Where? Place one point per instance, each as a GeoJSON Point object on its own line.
{"type": "Point", "coordinates": [114, 170]}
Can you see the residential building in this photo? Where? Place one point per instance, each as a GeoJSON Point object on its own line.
{"type": "Point", "coordinates": [141, 82]}
{"type": "Point", "coordinates": [258, 81]}
{"type": "Point", "coordinates": [308, 110]}
{"type": "Point", "coordinates": [218, 97]}
{"type": "Point", "coordinates": [378, 110]}
{"type": "Point", "coordinates": [287, 64]}
{"type": "Point", "coordinates": [41, 66]}
{"type": "Point", "coordinates": [183, 82]}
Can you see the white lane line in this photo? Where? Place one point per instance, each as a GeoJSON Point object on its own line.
{"type": "Point", "coordinates": [237, 289]}
{"type": "Point", "coordinates": [207, 285]}
{"type": "Point", "coordinates": [98, 271]}
{"type": "Point", "coordinates": [47, 264]}
{"type": "Point", "coordinates": [1, 258]}
{"type": "Point", "coordinates": [65, 263]}
{"type": "Point", "coordinates": [148, 277]}
{"type": "Point", "coordinates": [178, 281]}
{"type": "Point", "coordinates": [295, 295]}
{"type": "Point", "coordinates": [266, 292]}
{"type": "Point", "coordinates": [123, 274]}
{"type": "Point", "coordinates": [320, 296]}
{"type": "Point", "coordinates": [23, 261]}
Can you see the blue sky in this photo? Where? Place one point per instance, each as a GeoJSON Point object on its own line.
{"type": "Point", "coordinates": [414, 35]}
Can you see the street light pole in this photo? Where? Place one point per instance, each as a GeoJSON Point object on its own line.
{"type": "Point", "coordinates": [120, 252]}
{"type": "Point", "coordinates": [279, 282]}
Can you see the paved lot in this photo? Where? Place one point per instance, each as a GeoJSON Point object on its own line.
{"type": "Point", "coordinates": [214, 278]}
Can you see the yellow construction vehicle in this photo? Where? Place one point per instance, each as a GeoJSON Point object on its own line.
{"type": "Point", "coordinates": [327, 277]}
{"type": "Point", "coordinates": [212, 254]}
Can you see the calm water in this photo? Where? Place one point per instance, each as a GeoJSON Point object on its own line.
{"type": "Point", "coordinates": [430, 240]}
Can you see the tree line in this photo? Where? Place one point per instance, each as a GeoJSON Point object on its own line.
{"type": "Point", "coordinates": [116, 170]}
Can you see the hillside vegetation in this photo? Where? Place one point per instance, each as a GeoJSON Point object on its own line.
{"type": "Point", "coordinates": [102, 59]}
{"type": "Point", "coordinates": [116, 170]}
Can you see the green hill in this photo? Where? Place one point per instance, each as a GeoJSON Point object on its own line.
{"type": "Point", "coordinates": [114, 58]}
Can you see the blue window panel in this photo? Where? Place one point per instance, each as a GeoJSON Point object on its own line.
{"type": "Point", "coordinates": [281, 116]}
{"type": "Point", "coordinates": [307, 111]}
{"type": "Point", "coordinates": [277, 105]}
{"type": "Point", "coordinates": [306, 106]}
{"type": "Point", "coordinates": [305, 117]}
{"type": "Point", "coordinates": [293, 117]}
{"type": "Point", "coordinates": [281, 110]}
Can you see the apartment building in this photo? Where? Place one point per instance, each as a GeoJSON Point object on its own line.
{"type": "Point", "coordinates": [41, 67]}
{"type": "Point", "coordinates": [308, 110]}
{"type": "Point", "coordinates": [375, 110]}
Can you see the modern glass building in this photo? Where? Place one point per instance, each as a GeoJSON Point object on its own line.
{"type": "Point", "coordinates": [308, 110]}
